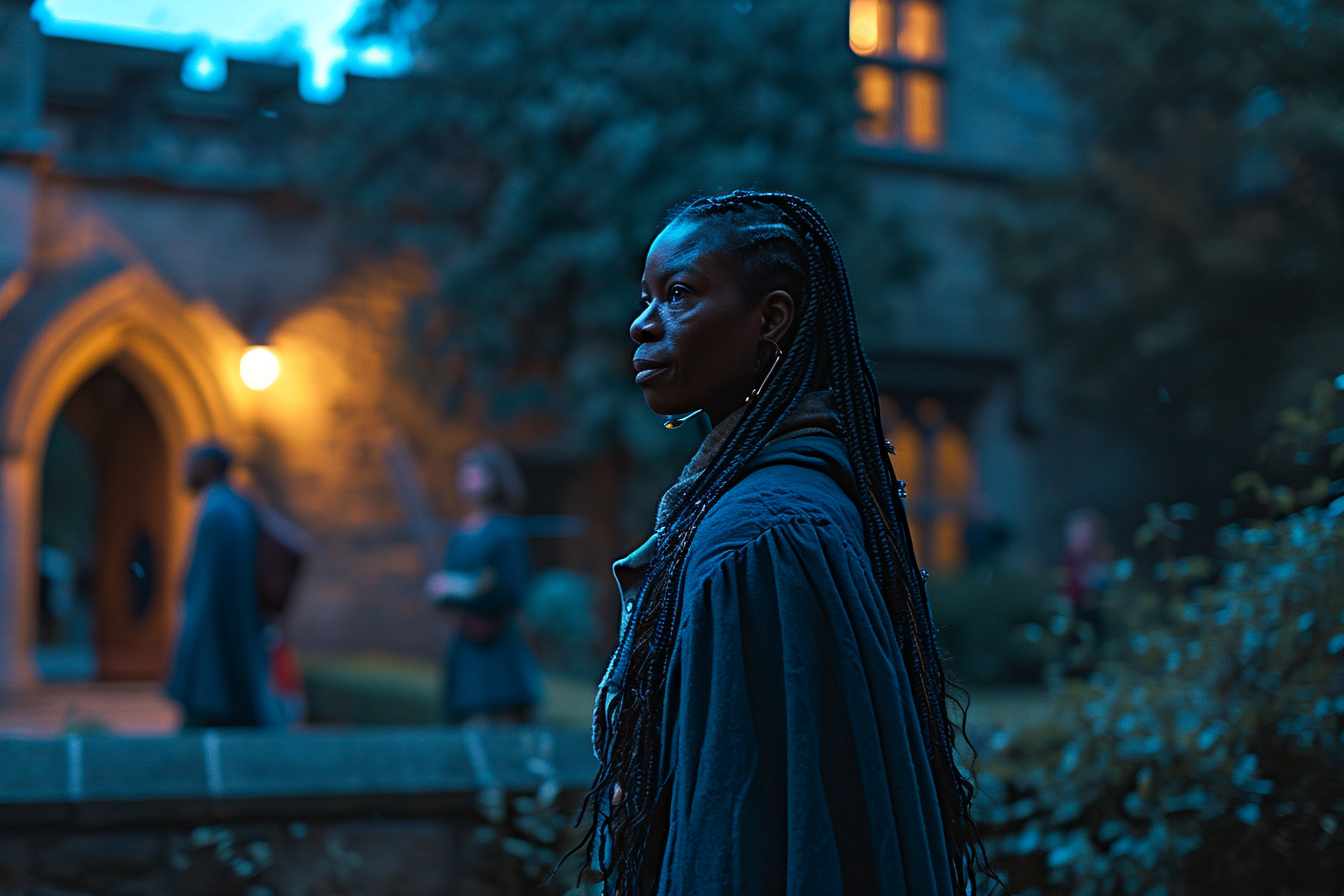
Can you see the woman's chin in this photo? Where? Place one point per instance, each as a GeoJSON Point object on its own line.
{"type": "Point", "coordinates": [663, 407]}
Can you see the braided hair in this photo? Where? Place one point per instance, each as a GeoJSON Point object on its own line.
{"type": "Point", "coordinates": [775, 240]}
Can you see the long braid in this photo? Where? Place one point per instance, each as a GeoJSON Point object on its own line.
{"type": "Point", "coordinates": [769, 235]}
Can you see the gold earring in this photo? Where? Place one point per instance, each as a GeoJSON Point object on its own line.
{"type": "Point", "coordinates": [675, 422]}
{"type": "Point", "coordinates": [774, 365]}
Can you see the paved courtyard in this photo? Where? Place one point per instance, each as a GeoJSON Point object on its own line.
{"type": "Point", "coordinates": [131, 707]}
{"type": "Point", "coordinates": [140, 708]}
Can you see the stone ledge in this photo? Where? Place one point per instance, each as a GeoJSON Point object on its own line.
{"type": "Point", "coordinates": [100, 780]}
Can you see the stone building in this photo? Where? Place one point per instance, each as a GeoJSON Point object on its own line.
{"type": "Point", "coordinates": [149, 237]}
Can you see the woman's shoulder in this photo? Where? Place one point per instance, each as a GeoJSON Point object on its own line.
{"type": "Point", "coordinates": [800, 483]}
{"type": "Point", "coordinates": [224, 506]}
{"type": "Point", "coordinates": [498, 526]}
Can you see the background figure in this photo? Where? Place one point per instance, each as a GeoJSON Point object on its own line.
{"type": "Point", "coordinates": [1086, 553]}
{"type": "Point", "coordinates": [282, 547]}
{"type": "Point", "coordinates": [490, 672]}
{"type": "Point", "coordinates": [219, 672]}
{"type": "Point", "coordinates": [56, 592]}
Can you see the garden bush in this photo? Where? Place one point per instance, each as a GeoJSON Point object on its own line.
{"type": "Point", "coordinates": [560, 622]}
{"type": "Point", "coordinates": [985, 616]}
{"type": "Point", "coordinates": [372, 689]}
{"type": "Point", "coordinates": [386, 689]}
{"type": "Point", "coordinates": [1209, 758]}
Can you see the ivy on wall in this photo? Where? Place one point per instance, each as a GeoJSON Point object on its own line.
{"type": "Point", "coordinates": [533, 154]}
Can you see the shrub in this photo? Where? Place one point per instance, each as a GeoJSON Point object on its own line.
{"type": "Point", "coordinates": [372, 689]}
{"type": "Point", "coordinates": [975, 609]}
{"type": "Point", "coordinates": [1211, 758]}
{"type": "Point", "coordinates": [386, 689]}
{"type": "Point", "coordinates": [559, 616]}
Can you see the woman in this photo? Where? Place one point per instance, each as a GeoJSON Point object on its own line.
{"type": "Point", "coordinates": [490, 672]}
{"type": "Point", "coordinates": [773, 719]}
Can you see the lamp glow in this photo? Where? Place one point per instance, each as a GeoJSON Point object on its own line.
{"type": "Point", "coordinates": [259, 367]}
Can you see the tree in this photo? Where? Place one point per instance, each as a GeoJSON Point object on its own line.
{"type": "Point", "coordinates": [534, 152]}
{"type": "Point", "coordinates": [1191, 273]}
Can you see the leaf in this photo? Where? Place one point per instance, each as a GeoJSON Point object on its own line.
{"type": "Point", "coordinates": [1254, 483]}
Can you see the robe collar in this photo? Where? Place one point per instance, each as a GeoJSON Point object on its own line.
{"type": "Point", "coordinates": [813, 412]}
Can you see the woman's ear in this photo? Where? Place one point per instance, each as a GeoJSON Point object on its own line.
{"type": "Point", "coordinates": [777, 310]}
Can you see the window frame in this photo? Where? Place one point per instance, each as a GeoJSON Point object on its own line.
{"type": "Point", "coordinates": [900, 66]}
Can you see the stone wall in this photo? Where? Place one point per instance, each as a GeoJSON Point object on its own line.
{"type": "Point", "coordinates": [1007, 127]}
{"type": "Point", "coordinates": [394, 812]}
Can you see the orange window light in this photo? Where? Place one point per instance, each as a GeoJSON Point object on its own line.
{"type": "Point", "coordinates": [920, 36]}
{"type": "Point", "coordinates": [908, 464]}
{"type": "Point", "coordinates": [953, 480]}
{"type": "Point", "coordinates": [871, 23]}
{"type": "Point", "coordinates": [954, 476]}
{"type": "Point", "coordinates": [876, 95]}
{"type": "Point", "coordinates": [922, 108]}
{"type": "Point", "coordinates": [937, 459]}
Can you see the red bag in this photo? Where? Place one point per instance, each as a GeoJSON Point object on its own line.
{"type": "Point", "coordinates": [481, 629]}
{"type": "Point", "coordinates": [286, 676]}
{"type": "Point", "coordinates": [281, 546]}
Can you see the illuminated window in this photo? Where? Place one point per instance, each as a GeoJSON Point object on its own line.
{"type": "Point", "coordinates": [934, 457]}
{"type": "Point", "coordinates": [920, 38]}
{"type": "Point", "coordinates": [871, 24]}
{"type": "Point", "coordinates": [922, 109]}
{"type": "Point", "coordinates": [900, 88]}
{"type": "Point", "coordinates": [877, 100]}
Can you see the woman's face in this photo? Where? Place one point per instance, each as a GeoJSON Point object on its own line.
{"type": "Point", "coordinates": [699, 338]}
{"type": "Point", "coordinates": [1081, 535]}
{"type": "Point", "coordinates": [474, 484]}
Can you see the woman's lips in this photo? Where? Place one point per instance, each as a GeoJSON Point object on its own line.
{"type": "Point", "coordinates": [647, 370]}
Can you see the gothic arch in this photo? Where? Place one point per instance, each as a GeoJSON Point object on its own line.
{"type": "Point", "coordinates": [135, 324]}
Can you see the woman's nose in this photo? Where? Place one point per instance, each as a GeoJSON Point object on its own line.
{"type": "Point", "coordinates": [647, 327]}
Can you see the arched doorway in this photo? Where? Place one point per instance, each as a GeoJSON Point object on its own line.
{"type": "Point", "coordinates": [128, 339]}
{"type": "Point", "coordinates": [101, 585]}
{"type": "Point", "coordinates": [68, 535]}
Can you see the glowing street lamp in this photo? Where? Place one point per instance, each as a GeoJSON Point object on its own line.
{"type": "Point", "coordinates": [259, 367]}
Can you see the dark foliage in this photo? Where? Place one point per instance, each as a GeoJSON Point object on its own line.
{"type": "Point", "coordinates": [534, 152]}
{"type": "Point", "coordinates": [987, 619]}
{"type": "Point", "coordinates": [1190, 274]}
{"type": "Point", "coordinates": [1208, 759]}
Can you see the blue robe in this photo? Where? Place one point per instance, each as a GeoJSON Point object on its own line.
{"type": "Point", "coordinates": [791, 742]}
{"type": "Point", "coordinates": [501, 673]}
{"type": "Point", "coordinates": [220, 671]}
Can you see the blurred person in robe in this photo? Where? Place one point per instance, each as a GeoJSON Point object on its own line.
{"type": "Point", "coordinates": [491, 674]}
{"type": "Point", "coordinates": [220, 670]}
{"type": "Point", "coordinates": [1086, 574]}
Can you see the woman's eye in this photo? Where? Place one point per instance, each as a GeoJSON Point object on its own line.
{"type": "Point", "coordinates": [677, 292]}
